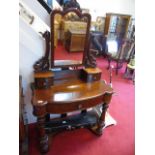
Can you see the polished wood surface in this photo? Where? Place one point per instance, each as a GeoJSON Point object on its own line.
{"type": "Point", "coordinates": [67, 95]}
{"type": "Point", "coordinates": [92, 70]}
{"type": "Point", "coordinates": [71, 91]}
{"type": "Point", "coordinates": [43, 74]}
{"type": "Point", "coordinates": [91, 74]}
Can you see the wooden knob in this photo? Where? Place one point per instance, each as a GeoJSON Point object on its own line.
{"type": "Point", "coordinates": [94, 77]}
{"type": "Point", "coordinates": [79, 106]}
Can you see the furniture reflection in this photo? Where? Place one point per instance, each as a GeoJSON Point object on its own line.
{"type": "Point", "coordinates": [62, 26]}
{"type": "Point", "coordinates": [99, 24]}
{"type": "Point", "coordinates": [75, 41]}
{"type": "Point", "coordinates": [119, 48]}
{"type": "Point", "coordinates": [62, 89]}
{"type": "Point", "coordinates": [72, 26]}
{"type": "Point", "coordinates": [69, 37]}
{"type": "Point", "coordinates": [98, 42]}
{"type": "Point", "coordinates": [116, 25]}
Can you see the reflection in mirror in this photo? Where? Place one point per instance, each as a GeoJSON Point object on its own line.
{"type": "Point", "coordinates": [70, 38]}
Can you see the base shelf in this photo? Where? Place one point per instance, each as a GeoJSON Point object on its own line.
{"type": "Point", "coordinates": [88, 119]}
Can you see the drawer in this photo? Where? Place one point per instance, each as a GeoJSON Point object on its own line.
{"type": "Point", "coordinates": [91, 74]}
{"type": "Point", "coordinates": [93, 77]}
{"type": "Point", "coordinates": [43, 79]}
{"type": "Point", "coordinates": [69, 107]}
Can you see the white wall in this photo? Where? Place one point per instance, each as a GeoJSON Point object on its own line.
{"type": "Point", "coordinates": [38, 9]}
{"type": "Point", "coordinates": [101, 7]}
{"type": "Point", "coordinates": [32, 46]}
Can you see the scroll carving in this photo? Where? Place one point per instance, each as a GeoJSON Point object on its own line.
{"type": "Point", "coordinates": [43, 63]}
{"type": "Point", "coordinates": [90, 59]}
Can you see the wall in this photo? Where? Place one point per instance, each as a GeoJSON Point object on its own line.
{"type": "Point", "coordinates": [101, 7]}
{"type": "Point", "coordinates": [38, 9]}
{"type": "Point", "coordinates": [31, 48]}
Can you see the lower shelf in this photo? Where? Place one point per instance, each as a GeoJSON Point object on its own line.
{"type": "Point", "coordinates": [88, 119]}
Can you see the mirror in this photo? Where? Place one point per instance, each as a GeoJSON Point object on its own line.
{"type": "Point", "coordinates": [69, 37]}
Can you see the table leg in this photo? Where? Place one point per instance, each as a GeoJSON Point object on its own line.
{"type": "Point", "coordinates": [43, 138]}
{"type": "Point", "coordinates": [101, 123]}
{"type": "Point", "coordinates": [98, 128]}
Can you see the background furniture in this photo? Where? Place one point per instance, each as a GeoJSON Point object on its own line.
{"type": "Point", "coordinates": [116, 25]}
{"type": "Point", "coordinates": [69, 24]}
{"type": "Point", "coordinates": [64, 89]}
{"type": "Point", "coordinates": [130, 70]}
{"type": "Point", "coordinates": [75, 40]}
{"type": "Point", "coordinates": [120, 54]}
{"type": "Point", "coordinates": [116, 29]}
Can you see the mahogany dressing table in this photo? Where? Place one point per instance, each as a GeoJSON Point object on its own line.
{"type": "Point", "coordinates": [60, 88]}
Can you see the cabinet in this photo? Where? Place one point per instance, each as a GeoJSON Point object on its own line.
{"type": "Point", "coordinates": [116, 25]}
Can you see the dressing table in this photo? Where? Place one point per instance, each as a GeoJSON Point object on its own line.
{"type": "Point", "coordinates": [63, 85]}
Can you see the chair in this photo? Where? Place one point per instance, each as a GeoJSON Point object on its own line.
{"type": "Point", "coordinates": [130, 70]}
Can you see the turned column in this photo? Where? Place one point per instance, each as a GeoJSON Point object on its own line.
{"type": "Point", "coordinates": [101, 122]}
{"type": "Point", "coordinates": [43, 138]}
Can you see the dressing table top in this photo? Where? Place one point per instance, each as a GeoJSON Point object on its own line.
{"type": "Point", "coordinates": [70, 91]}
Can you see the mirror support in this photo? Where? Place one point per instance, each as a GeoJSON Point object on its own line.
{"type": "Point", "coordinates": [43, 63]}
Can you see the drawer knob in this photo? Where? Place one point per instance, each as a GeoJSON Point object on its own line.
{"type": "Point", "coordinates": [79, 106]}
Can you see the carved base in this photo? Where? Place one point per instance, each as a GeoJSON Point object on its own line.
{"type": "Point", "coordinates": [43, 138]}
{"type": "Point", "coordinates": [97, 130]}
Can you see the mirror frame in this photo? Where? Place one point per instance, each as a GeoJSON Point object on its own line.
{"type": "Point", "coordinates": [63, 13]}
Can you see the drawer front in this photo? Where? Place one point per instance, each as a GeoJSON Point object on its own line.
{"type": "Point", "coordinates": [43, 82]}
{"type": "Point", "coordinates": [69, 107]}
{"type": "Point", "coordinates": [93, 77]}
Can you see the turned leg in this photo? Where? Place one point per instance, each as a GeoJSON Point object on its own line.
{"type": "Point", "coordinates": [98, 128]}
{"type": "Point", "coordinates": [43, 138]}
{"type": "Point", "coordinates": [101, 122]}
{"type": "Point", "coordinates": [109, 62]}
